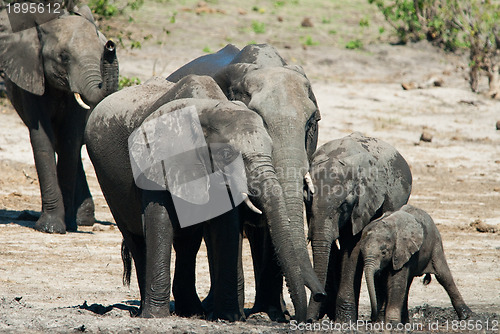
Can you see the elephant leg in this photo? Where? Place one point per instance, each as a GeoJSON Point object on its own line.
{"type": "Point", "coordinates": [351, 273]}
{"type": "Point", "coordinates": [332, 283]}
{"type": "Point", "coordinates": [397, 294]}
{"type": "Point", "coordinates": [267, 272]}
{"type": "Point", "coordinates": [223, 236]}
{"type": "Point", "coordinates": [137, 247]}
{"type": "Point", "coordinates": [84, 205]}
{"type": "Point", "coordinates": [444, 277]}
{"type": "Point", "coordinates": [158, 232]}
{"type": "Point", "coordinates": [52, 217]}
{"type": "Point", "coordinates": [321, 256]}
{"type": "Point", "coordinates": [381, 294]}
{"type": "Point", "coordinates": [187, 243]}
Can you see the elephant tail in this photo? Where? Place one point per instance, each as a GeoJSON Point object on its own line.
{"type": "Point", "coordinates": [127, 264]}
{"type": "Point", "coordinates": [427, 279]}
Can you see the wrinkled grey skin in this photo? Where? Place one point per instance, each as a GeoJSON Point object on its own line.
{"type": "Point", "coordinates": [282, 95]}
{"type": "Point", "coordinates": [356, 179]}
{"type": "Point", "coordinates": [107, 132]}
{"type": "Point", "coordinates": [44, 66]}
{"type": "Point", "coordinates": [396, 248]}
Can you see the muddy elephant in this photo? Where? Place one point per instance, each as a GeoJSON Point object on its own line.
{"type": "Point", "coordinates": [397, 247]}
{"type": "Point", "coordinates": [282, 96]}
{"type": "Point", "coordinates": [356, 179]}
{"type": "Point", "coordinates": [231, 130]}
{"type": "Point", "coordinates": [55, 72]}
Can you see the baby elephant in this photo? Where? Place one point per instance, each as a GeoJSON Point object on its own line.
{"type": "Point", "coordinates": [397, 247]}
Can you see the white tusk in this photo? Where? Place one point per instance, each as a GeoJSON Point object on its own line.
{"type": "Point", "coordinates": [337, 243]}
{"type": "Point", "coordinates": [309, 182]}
{"type": "Point", "coordinates": [249, 203]}
{"type": "Point", "coordinates": [82, 104]}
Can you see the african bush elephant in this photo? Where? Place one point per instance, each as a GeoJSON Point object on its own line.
{"type": "Point", "coordinates": [230, 130]}
{"type": "Point", "coordinates": [356, 179]}
{"type": "Point", "coordinates": [55, 72]}
{"type": "Point", "coordinates": [397, 247]}
{"type": "Point", "coordinates": [282, 96]}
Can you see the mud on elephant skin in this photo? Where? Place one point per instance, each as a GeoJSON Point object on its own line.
{"type": "Point", "coordinates": [356, 179]}
{"type": "Point", "coordinates": [282, 96]}
{"type": "Point", "coordinates": [230, 129]}
{"type": "Point", "coordinates": [396, 248]}
{"type": "Point", "coordinates": [56, 72]}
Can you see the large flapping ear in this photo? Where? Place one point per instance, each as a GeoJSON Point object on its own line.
{"type": "Point", "coordinates": [85, 12]}
{"type": "Point", "coordinates": [409, 237]}
{"type": "Point", "coordinates": [20, 56]}
{"type": "Point", "coordinates": [231, 77]}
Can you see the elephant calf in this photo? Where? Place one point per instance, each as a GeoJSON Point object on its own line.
{"type": "Point", "coordinates": [396, 248]}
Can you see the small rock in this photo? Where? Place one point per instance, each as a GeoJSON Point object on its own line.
{"type": "Point", "coordinates": [482, 227]}
{"type": "Point", "coordinates": [426, 137]}
{"type": "Point", "coordinates": [498, 125]}
{"type": "Point", "coordinates": [261, 316]}
{"type": "Point", "coordinates": [242, 11]}
{"type": "Point", "coordinates": [408, 85]}
{"type": "Point", "coordinates": [307, 23]}
{"type": "Point", "coordinates": [280, 18]}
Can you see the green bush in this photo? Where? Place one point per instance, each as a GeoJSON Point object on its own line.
{"type": "Point", "coordinates": [472, 25]}
{"type": "Point", "coordinates": [124, 81]}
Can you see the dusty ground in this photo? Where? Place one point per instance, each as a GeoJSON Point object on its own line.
{"type": "Point", "coordinates": [49, 283]}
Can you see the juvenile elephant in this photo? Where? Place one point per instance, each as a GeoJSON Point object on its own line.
{"type": "Point", "coordinates": [55, 72]}
{"type": "Point", "coordinates": [397, 247]}
{"type": "Point", "coordinates": [282, 96]}
{"type": "Point", "coordinates": [356, 179]}
{"type": "Point", "coordinates": [229, 130]}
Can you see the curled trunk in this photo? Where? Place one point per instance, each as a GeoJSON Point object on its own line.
{"type": "Point", "coordinates": [100, 80]}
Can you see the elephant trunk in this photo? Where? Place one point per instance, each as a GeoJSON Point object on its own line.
{"type": "Point", "coordinates": [370, 270]}
{"type": "Point", "coordinates": [100, 81]}
{"type": "Point", "coordinates": [270, 192]}
{"type": "Point", "coordinates": [291, 163]}
{"type": "Point", "coordinates": [321, 255]}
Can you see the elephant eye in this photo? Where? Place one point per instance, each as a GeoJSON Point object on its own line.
{"type": "Point", "coordinates": [226, 153]}
{"type": "Point", "coordinates": [64, 57]}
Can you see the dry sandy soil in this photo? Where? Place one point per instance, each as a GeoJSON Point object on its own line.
{"type": "Point", "coordinates": [49, 283]}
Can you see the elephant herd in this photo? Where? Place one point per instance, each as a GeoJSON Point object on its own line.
{"type": "Point", "coordinates": [223, 147]}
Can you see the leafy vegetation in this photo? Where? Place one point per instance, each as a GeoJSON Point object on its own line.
{"type": "Point", "coordinates": [109, 8]}
{"type": "Point", "coordinates": [354, 44]}
{"type": "Point", "coordinates": [124, 81]}
{"type": "Point", "coordinates": [258, 27]}
{"type": "Point", "coordinates": [472, 25]}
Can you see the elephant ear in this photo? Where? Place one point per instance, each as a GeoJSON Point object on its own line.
{"type": "Point", "coordinates": [85, 12]}
{"type": "Point", "coordinates": [409, 238]}
{"type": "Point", "coordinates": [369, 191]}
{"type": "Point", "coordinates": [21, 57]}
{"type": "Point", "coordinates": [231, 80]}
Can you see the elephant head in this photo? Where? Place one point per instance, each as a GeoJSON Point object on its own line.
{"type": "Point", "coordinates": [355, 179]}
{"type": "Point", "coordinates": [388, 243]}
{"type": "Point", "coordinates": [282, 96]}
{"type": "Point", "coordinates": [68, 53]}
{"type": "Point", "coordinates": [212, 155]}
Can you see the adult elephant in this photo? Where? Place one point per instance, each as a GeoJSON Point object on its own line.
{"type": "Point", "coordinates": [282, 96]}
{"type": "Point", "coordinates": [133, 189]}
{"type": "Point", "coordinates": [55, 73]}
{"type": "Point", "coordinates": [356, 179]}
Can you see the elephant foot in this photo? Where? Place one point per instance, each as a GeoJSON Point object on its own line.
{"type": "Point", "coordinates": [464, 312]}
{"type": "Point", "coordinates": [230, 316]}
{"type": "Point", "coordinates": [313, 311]}
{"type": "Point", "coordinates": [274, 313]}
{"type": "Point", "coordinates": [345, 312]}
{"type": "Point", "coordinates": [155, 311]}
{"type": "Point", "coordinates": [50, 223]}
{"type": "Point", "coordinates": [85, 213]}
{"type": "Point", "coordinates": [189, 309]}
